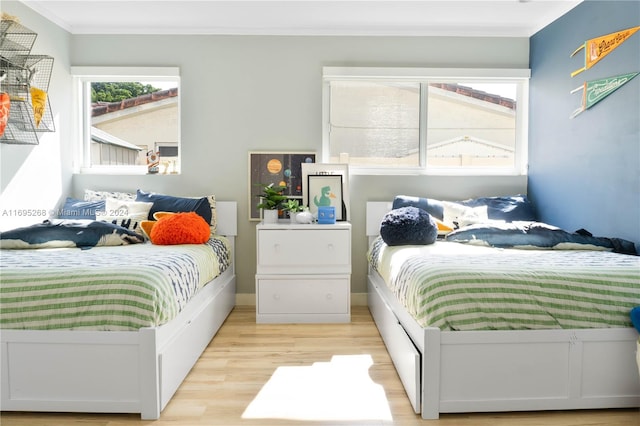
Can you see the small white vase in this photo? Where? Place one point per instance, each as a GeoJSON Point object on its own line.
{"type": "Point", "coordinates": [270, 216]}
{"type": "Point", "coordinates": [304, 217]}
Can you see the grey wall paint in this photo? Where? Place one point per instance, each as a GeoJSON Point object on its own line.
{"type": "Point", "coordinates": [585, 172]}
{"type": "Point", "coordinates": [36, 176]}
{"type": "Point", "coordinates": [245, 93]}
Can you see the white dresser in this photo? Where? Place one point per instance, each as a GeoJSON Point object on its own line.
{"type": "Point", "coordinates": [303, 273]}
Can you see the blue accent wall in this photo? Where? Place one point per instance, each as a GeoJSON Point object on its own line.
{"type": "Point", "coordinates": [585, 172]}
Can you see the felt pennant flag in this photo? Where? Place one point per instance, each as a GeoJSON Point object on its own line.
{"type": "Point", "coordinates": [599, 47]}
{"type": "Point", "coordinates": [596, 90]}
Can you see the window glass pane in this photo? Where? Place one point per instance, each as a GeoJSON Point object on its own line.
{"type": "Point", "coordinates": [471, 125]}
{"type": "Point", "coordinates": [374, 123]}
{"type": "Point", "coordinates": [129, 118]}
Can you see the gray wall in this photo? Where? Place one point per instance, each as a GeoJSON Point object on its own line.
{"type": "Point", "coordinates": [585, 172]}
{"type": "Point", "coordinates": [36, 176]}
{"type": "Point", "coordinates": [245, 93]}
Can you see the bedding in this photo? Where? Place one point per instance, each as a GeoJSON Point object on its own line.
{"type": "Point", "coordinates": [59, 233]}
{"type": "Point", "coordinates": [456, 286]}
{"type": "Point", "coordinates": [536, 235]}
{"type": "Point", "coordinates": [105, 288]}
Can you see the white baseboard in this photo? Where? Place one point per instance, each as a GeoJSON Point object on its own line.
{"type": "Point", "coordinates": [357, 299]}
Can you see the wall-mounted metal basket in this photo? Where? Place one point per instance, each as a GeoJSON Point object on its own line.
{"type": "Point", "coordinates": [24, 76]}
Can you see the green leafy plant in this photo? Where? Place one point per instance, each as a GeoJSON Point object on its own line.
{"type": "Point", "coordinates": [271, 197]}
{"type": "Point", "coordinates": [293, 205]}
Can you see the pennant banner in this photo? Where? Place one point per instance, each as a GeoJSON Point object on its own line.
{"type": "Point", "coordinates": [596, 90]}
{"type": "Point", "coordinates": [599, 47]}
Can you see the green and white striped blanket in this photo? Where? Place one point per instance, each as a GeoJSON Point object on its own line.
{"type": "Point", "coordinates": [104, 288]}
{"type": "Point", "coordinates": [454, 286]}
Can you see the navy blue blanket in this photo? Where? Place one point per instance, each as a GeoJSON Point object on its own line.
{"type": "Point", "coordinates": [537, 235]}
{"type": "Point", "coordinates": [83, 234]}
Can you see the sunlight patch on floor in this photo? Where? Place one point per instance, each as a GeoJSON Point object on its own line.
{"type": "Point", "coordinates": [337, 390]}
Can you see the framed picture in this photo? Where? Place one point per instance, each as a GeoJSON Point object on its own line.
{"type": "Point", "coordinates": [327, 170]}
{"type": "Point", "coordinates": [278, 168]}
{"type": "Point", "coordinates": [325, 190]}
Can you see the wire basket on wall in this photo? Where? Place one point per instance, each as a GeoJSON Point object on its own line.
{"type": "Point", "coordinates": [25, 78]}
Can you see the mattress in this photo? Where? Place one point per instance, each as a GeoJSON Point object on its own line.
{"type": "Point", "coordinates": [105, 288]}
{"type": "Point", "coordinates": [456, 286]}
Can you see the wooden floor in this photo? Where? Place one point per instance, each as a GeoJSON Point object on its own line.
{"type": "Point", "coordinates": [310, 374]}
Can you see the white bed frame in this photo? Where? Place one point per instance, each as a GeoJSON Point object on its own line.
{"type": "Point", "coordinates": [481, 371]}
{"type": "Point", "coordinates": [116, 371]}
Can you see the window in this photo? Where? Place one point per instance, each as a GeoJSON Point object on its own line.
{"type": "Point", "coordinates": [434, 121]}
{"type": "Point", "coordinates": [124, 114]}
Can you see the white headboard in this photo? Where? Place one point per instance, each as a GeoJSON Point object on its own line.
{"type": "Point", "coordinates": [375, 212]}
{"type": "Point", "coordinates": [227, 218]}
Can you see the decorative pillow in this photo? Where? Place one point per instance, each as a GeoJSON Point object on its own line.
{"type": "Point", "coordinates": [80, 209]}
{"type": "Point", "coordinates": [635, 317]}
{"type": "Point", "coordinates": [91, 195]}
{"type": "Point", "coordinates": [510, 208]}
{"type": "Point", "coordinates": [431, 206]}
{"type": "Point", "coordinates": [408, 226]}
{"type": "Point", "coordinates": [83, 234]}
{"type": "Point", "coordinates": [214, 216]}
{"type": "Point", "coordinates": [456, 215]}
{"type": "Point", "coordinates": [529, 235]}
{"type": "Point", "coordinates": [127, 214]}
{"type": "Point", "coordinates": [168, 203]}
{"type": "Point", "coordinates": [178, 228]}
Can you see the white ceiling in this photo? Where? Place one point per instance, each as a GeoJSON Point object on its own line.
{"type": "Point", "coordinates": [503, 18]}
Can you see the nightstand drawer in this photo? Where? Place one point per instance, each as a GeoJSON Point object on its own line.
{"type": "Point", "coordinates": [303, 295]}
{"type": "Point", "coordinates": [311, 250]}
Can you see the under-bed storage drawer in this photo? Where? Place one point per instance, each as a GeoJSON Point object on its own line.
{"type": "Point", "coordinates": [402, 351]}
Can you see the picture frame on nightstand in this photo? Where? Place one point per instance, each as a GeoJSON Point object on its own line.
{"type": "Point", "coordinates": [278, 168]}
{"type": "Point", "coordinates": [325, 191]}
{"type": "Point", "coordinates": [327, 170]}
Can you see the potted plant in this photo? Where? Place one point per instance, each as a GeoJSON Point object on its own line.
{"type": "Point", "coordinates": [271, 200]}
{"type": "Point", "coordinates": [293, 207]}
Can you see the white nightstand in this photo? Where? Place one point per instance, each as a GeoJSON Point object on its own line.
{"type": "Point", "coordinates": [303, 273]}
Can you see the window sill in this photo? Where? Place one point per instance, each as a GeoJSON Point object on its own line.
{"type": "Point", "coordinates": [432, 172]}
{"type": "Point", "coordinates": [120, 170]}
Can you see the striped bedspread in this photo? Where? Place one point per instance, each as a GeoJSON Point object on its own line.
{"type": "Point", "coordinates": [455, 286]}
{"type": "Point", "coordinates": [104, 288]}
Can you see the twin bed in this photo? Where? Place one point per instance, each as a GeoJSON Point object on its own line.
{"type": "Point", "coordinates": [472, 328]}
{"type": "Point", "coordinates": [157, 308]}
{"type": "Point", "coordinates": [453, 351]}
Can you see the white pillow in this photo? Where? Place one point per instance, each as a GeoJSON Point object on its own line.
{"type": "Point", "coordinates": [127, 214]}
{"type": "Point", "coordinates": [456, 215]}
{"type": "Point", "coordinates": [91, 195]}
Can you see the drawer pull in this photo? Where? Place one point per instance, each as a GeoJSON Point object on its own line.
{"type": "Point", "coordinates": [276, 247]}
{"type": "Point", "coordinates": [330, 247]}
{"type": "Point", "coordinates": [276, 296]}
{"type": "Point", "coordinates": [329, 296]}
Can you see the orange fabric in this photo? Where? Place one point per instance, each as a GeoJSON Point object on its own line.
{"type": "Point", "coordinates": [179, 228]}
{"type": "Point", "coordinates": [5, 105]}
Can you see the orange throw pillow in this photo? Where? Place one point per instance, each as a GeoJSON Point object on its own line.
{"type": "Point", "coordinates": [180, 228]}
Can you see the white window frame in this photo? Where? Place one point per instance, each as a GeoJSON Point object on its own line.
{"type": "Point", "coordinates": [81, 121]}
{"type": "Point", "coordinates": [520, 77]}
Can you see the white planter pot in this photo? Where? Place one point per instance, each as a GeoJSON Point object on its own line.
{"type": "Point", "coordinates": [270, 216]}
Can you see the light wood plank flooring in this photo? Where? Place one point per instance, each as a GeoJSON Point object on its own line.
{"type": "Point", "coordinates": [310, 374]}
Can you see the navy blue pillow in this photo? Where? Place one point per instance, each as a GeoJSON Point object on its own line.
{"type": "Point", "coordinates": [635, 317]}
{"type": "Point", "coordinates": [431, 206]}
{"type": "Point", "coordinates": [168, 203]}
{"type": "Point", "coordinates": [510, 209]}
{"type": "Point", "coordinates": [408, 226]}
{"type": "Point", "coordinates": [80, 209]}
